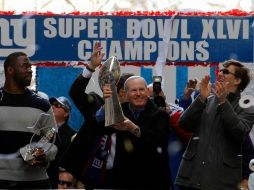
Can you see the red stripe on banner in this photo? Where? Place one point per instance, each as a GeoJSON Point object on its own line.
{"type": "Point", "coordinates": [58, 64]}
{"type": "Point", "coordinates": [124, 63]}
{"type": "Point", "coordinates": [7, 12]}
{"type": "Point", "coordinates": [233, 12]}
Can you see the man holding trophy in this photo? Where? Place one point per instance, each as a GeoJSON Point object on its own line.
{"type": "Point", "coordinates": [139, 144]}
{"type": "Point", "coordinates": [141, 129]}
{"type": "Point", "coordinates": [27, 126]}
{"type": "Point", "coordinates": [142, 139]}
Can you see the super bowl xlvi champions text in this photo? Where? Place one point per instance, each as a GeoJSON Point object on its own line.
{"type": "Point", "coordinates": [130, 50]}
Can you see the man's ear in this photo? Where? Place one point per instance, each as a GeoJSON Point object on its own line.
{"type": "Point", "coordinates": [10, 70]}
{"type": "Point", "coordinates": [238, 81]}
{"type": "Point", "coordinates": [66, 114]}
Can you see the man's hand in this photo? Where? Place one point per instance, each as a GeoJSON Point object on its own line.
{"type": "Point", "coordinates": [244, 185]}
{"type": "Point", "coordinates": [128, 125]}
{"type": "Point", "coordinates": [107, 92]}
{"type": "Point", "coordinates": [96, 57]}
{"type": "Point", "coordinates": [205, 88]}
{"type": "Point", "coordinates": [220, 91]}
{"type": "Point", "coordinates": [190, 87]}
{"type": "Point", "coordinates": [39, 157]}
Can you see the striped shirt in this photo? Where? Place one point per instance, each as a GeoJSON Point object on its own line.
{"type": "Point", "coordinates": [22, 116]}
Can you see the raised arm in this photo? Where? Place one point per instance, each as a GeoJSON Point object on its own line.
{"type": "Point", "coordinates": [87, 102]}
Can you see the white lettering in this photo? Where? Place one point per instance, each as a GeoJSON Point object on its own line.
{"type": "Point", "coordinates": [133, 28]}
{"type": "Point", "coordinates": [106, 30]}
{"type": "Point", "coordinates": [149, 47]}
{"type": "Point", "coordinates": [85, 49]}
{"type": "Point", "coordinates": [74, 27]}
{"type": "Point", "coordinates": [83, 46]}
{"type": "Point", "coordinates": [65, 27]}
{"type": "Point", "coordinates": [173, 51]}
{"type": "Point", "coordinates": [233, 28]}
{"type": "Point", "coordinates": [92, 28]}
{"type": "Point", "coordinates": [184, 29]}
{"type": "Point", "coordinates": [148, 28]}
{"type": "Point", "coordinates": [225, 29]}
{"type": "Point", "coordinates": [133, 50]}
{"type": "Point", "coordinates": [220, 31]}
{"type": "Point", "coordinates": [18, 31]}
{"type": "Point", "coordinates": [22, 36]}
{"type": "Point", "coordinates": [51, 31]}
{"type": "Point", "coordinates": [78, 25]}
{"type": "Point", "coordinates": [207, 29]}
{"type": "Point", "coordinates": [165, 29]}
{"type": "Point", "coordinates": [5, 31]}
{"type": "Point", "coordinates": [187, 50]}
{"type": "Point", "coordinates": [246, 29]}
{"type": "Point", "coordinates": [115, 50]}
{"type": "Point", "coordinates": [97, 163]}
{"type": "Point", "coordinates": [204, 54]}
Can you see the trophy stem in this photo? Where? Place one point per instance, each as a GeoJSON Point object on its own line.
{"type": "Point", "coordinates": [113, 110]}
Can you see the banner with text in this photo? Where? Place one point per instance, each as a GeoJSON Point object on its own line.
{"type": "Point", "coordinates": [130, 38]}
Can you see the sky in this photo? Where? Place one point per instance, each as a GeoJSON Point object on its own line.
{"type": "Point", "coordinates": [67, 6]}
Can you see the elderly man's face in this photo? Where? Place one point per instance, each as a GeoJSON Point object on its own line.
{"type": "Point", "coordinates": [137, 93]}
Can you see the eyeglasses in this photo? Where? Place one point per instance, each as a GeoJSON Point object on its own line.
{"type": "Point", "coordinates": [57, 105]}
{"type": "Point", "coordinates": [226, 72]}
{"type": "Point", "coordinates": [63, 183]}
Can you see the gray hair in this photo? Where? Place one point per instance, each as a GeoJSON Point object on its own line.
{"type": "Point", "coordinates": [133, 78]}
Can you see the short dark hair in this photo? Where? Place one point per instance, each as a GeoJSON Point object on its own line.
{"type": "Point", "coordinates": [241, 72]}
{"type": "Point", "coordinates": [11, 59]}
{"type": "Point", "coordinates": [123, 78]}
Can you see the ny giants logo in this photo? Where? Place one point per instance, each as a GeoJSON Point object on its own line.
{"type": "Point", "coordinates": [17, 35]}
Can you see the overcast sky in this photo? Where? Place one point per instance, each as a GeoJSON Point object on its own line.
{"type": "Point", "coordinates": [66, 6]}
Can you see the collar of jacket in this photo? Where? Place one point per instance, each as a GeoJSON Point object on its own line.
{"type": "Point", "coordinates": [148, 110]}
{"type": "Point", "coordinates": [232, 96]}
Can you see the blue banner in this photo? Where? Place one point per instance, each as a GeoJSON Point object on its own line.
{"type": "Point", "coordinates": [131, 39]}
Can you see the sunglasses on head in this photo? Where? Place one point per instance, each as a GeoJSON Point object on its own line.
{"type": "Point", "coordinates": [63, 183]}
{"type": "Point", "coordinates": [226, 72]}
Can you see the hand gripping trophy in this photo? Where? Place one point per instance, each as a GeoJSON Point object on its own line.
{"type": "Point", "coordinates": [110, 74]}
{"type": "Point", "coordinates": [34, 152]}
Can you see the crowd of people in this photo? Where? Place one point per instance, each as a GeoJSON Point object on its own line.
{"type": "Point", "coordinates": [40, 150]}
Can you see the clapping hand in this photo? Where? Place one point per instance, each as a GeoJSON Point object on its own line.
{"type": "Point", "coordinates": [205, 88]}
{"type": "Point", "coordinates": [220, 91]}
{"type": "Point", "coordinates": [190, 87]}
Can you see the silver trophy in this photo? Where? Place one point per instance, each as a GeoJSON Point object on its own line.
{"type": "Point", "coordinates": [110, 74]}
{"type": "Point", "coordinates": [46, 133]}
